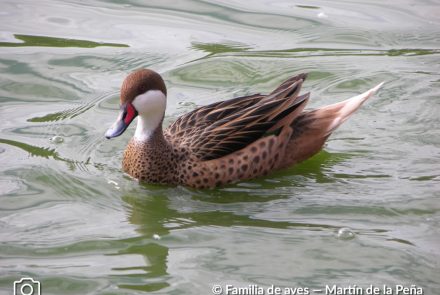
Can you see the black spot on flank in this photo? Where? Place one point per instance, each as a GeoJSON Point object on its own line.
{"type": "Point", "coordinates": [271, 142]}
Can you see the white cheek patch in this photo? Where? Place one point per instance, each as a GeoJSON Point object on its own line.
{"type": "Point", "coordinates": [151, 108]}
{"type": "Point", "coordinates": [150, 102]}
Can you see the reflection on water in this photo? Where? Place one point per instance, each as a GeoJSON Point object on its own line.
{"type": "Point", "coordinates": [43, 41]}
{"type": "Point", "coordinates": [159, 215]}
{"type": "Point", "coordinates": [363, 211]}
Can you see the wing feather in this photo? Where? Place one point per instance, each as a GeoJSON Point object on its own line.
{"type": "Point", "coordinates": [221, 128]}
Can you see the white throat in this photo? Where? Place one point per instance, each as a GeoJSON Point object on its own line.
{"type": "Point", "coordinates": [151, 108]}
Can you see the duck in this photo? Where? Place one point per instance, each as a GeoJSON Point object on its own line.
{"type": "Point", "coordinates": [226, 141]}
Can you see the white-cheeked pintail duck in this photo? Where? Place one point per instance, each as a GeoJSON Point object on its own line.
{"type": "Point", "coordinates": [226, 141]}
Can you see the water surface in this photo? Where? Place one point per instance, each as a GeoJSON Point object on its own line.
{"type": "Point", "coordinates": [71, 219]}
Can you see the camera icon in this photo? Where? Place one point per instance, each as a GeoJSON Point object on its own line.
{"type": "Point", "coordinates": [27, 286]}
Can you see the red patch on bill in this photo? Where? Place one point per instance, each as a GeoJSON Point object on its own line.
{"type": "Point", "coordinates": [131, 113]}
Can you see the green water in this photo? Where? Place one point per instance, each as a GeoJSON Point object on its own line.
{"type": "Point", "coordinates": [72, 220]}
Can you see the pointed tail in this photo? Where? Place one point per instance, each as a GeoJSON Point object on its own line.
{"type": "Point", "coordinates": [332, 116]}
{"type": "Point", "coordinates": [312, 128]}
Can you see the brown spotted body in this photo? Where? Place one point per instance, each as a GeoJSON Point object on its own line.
{"type": "Point", "coordinates": [177, 166]}
{"type": "Point", "coordinates": [224, 142]}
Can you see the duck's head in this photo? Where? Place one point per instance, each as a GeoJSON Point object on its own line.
{"type": "Point", "coordinates": [143, 93]}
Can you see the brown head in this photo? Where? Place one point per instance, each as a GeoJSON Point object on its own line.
{"type": "Point", "coordinates": [143, 93]}
{"type": "Point", "coordinates": [139, 82]}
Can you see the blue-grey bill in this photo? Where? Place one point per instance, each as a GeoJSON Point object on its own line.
{"type": "Point", "coordinates": [117, 128]}
{"type": "Point", "coordinates": [125, 117]}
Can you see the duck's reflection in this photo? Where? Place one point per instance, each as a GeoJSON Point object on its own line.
{"type": "Point", "coordinates": [157, 211]}
{"type": "Point", "coordinates": [150, 215]}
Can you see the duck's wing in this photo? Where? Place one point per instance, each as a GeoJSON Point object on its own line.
{"type": "Point", "coordinates": [221, 128]}
{"type": "Point", "coordinates": [189, 124]}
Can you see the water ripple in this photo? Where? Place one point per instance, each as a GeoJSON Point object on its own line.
{"type": "Point", "coordinates": [71, 218]}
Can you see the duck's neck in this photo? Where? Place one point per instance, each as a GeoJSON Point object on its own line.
{"type": "Point", "coordinates": [147, 155]}
{"type": "Point", "coordinates": [148, 129]}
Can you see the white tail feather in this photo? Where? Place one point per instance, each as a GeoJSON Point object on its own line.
{"type": "Point", "coordinates": [313, 127]}
{"type": "Point", "coordinates": [342, 110]}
